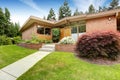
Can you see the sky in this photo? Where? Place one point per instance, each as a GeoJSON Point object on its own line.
{"type": "Point", "coordinates": [21, 10]}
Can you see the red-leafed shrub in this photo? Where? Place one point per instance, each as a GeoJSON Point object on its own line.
{"type": "Point", "coordinates": [99, 44]}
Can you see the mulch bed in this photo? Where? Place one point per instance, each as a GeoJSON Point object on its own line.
{"type": "Point", "coordinates": [101, 61]}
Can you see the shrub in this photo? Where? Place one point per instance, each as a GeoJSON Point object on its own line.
{"type": "Point", "coordinates": [48, 41]}
{"type": "Point", "coordinates": [8, 41]}
{"type": "Point", "coordinates": [67, 40]}
{"type": "Point", "coordinates": [4, 40]}
{"type": "Point", "coordinates": [56, 34]}
{"type": "Point", "coordinates": [27, 41]}
{"type": "Point", "coordinates": [17, 40]}
{"type": "Point", "coordinates": [99, 44]}
{"type": "Point", "coordinates": [36, 40]}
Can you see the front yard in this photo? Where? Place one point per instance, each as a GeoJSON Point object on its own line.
{"type": "Point", "coordinates": [12, 53]}
{"type": "Point", "coordinates": [65, 66]}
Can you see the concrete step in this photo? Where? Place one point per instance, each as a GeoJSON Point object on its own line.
{"type": "Point", "coordinates": [48, 46]}
{"type": "Point", "coordinates": [47, 49]}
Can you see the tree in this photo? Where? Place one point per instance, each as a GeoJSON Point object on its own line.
{"type": "Point", "coordinates": [2, 22]}
{"type": "Point", "coordinates": [60, 13]}
{"type": "Point", "coordinates": [64, 10]}
{"type": "Point", "coordinates": [14, 30]}
{"type": "Point", "coordinates": [100, 9]}
{"type": "Point", "coordinates": [7, 22]}
{"type": "Point", "coordinates": [6, 27]}
{"type": "Point", "coordinates": [76, 12]}
{"type": "Point", "coordinates": [44, 18]}
{"type": "Point", "coordinates": [91, 9]}
{"type": "Point", "coordinates": [51, 15]}
{"type": "Point", "coordinates": [7, 14]}
{"type": "Point", "coordinates": [114, 4]}
{"type": "Point", "coordinates": [104, 9]}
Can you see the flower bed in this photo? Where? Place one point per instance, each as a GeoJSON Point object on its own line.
{"type": "Point", "coordinates": [31, 45]}
{"type": "Point", "coordinates": [65, 47]}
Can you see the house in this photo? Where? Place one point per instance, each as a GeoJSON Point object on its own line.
{"type": "Point", "coordinates": [72, 26]}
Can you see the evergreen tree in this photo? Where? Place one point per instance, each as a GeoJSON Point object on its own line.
{"type": "Point", "coordinates": [44, 18]}
{"type": "Point", "coordinates": [81, 12]}
{"type": "Point", "coordinates": [14, 30]}
{"type": "Point", "coordinates": [2, 22]}
{"type": "Point", "coordinates": [76, 12]}
{"type": "Point", "coordinates": [61, 13]}
{"type": "Point", "coordinates": [7, 22]}
{"type": "Point", "coordinates": [64, 10]}
{"type": "Point", "coordinates": [7, 14]}
{"type": "Point", "coordinates": [104, 9]}
{"type": "Point", "coordinates": [100, 9]}
{"type": "Point", "coordinates": [51, 15]}
{"type": "Point", "coordinates": [6, 27]}
{"type": "Point", "coordinates": [114, 4]}
{"type": "Point", "coordinates": [91, 9]}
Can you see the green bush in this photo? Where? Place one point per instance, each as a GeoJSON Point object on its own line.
{"type": "Point", "coordinates": [56, 34]}
{"type": "Point", "coordinates": [67, 40]}
{"type": "Point", "coordinates": [37, 41]}
{"type": "Point", "coordinates": [99, 44]}
{"type": "Point", "coordinates": [48, 41]}
{"type": "Point", "coordinates": [17, 40]}
{"type": "Point", "coordinates": [4, 40]}
{"type": "Point", "coordinates": [27, 41]}
{"type": "Point", "coordinates": [8, 41]}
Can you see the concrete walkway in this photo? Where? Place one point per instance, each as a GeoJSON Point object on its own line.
{"type": "Point", "coordinates": [15, 70]}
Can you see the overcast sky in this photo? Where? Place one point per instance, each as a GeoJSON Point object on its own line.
{"type": "Point", "coordinates": [21, 10]}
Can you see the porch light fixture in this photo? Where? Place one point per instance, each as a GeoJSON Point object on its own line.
{"type": "Point", "coordinates": [38, 26]}
{"type": "Point", "coordinates": [109, 19]}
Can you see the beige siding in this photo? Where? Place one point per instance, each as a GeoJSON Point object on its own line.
{"type": "Point", "coordinates": [28, 33]}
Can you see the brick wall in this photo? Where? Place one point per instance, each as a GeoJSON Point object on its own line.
{"type": "Point", "coordinates": [31, 46]}
{"type": "Point", "coordinates": [101, 24]}
{"type": "Point", "coordinates": [65, 47]}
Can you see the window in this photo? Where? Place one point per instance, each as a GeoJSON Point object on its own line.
{"type": "Point", "coordinates": [47, 31]}
{"type": "Point", "coordinates": [41, 30]}
{"type": "Point", "coordinates": [74, 29]}
{"type": "Point", "coordinates": [81, 29]}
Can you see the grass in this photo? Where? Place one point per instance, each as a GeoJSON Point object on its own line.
{"type": "Point", "coordinates": [12, 53]}
{"type": "Point", "coordinates": [65, 66]}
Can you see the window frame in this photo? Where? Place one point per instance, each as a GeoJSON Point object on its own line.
{"type": "Point", "coordinates": [44, 30]}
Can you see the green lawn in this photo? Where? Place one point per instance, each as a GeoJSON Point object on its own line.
{"type": "Point", "coordinates": [65, 66]}
{"type": "Point", "coordinates": [12, 53]}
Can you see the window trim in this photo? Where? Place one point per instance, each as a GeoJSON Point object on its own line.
{"type": "Point", "coordinates": [44, 28]}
